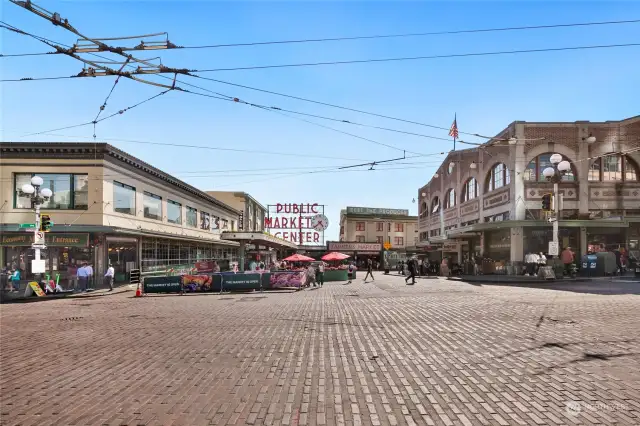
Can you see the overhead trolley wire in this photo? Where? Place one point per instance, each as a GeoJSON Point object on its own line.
{"type": "Point", "coordinates": [366, 37]}
{"type": "Point", "coordinates": [416, 58]}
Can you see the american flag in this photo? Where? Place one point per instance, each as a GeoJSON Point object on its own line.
{"type": "Point", "coordinates": [454, 128]}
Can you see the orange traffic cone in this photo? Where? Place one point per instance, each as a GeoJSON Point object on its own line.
{"type": "Point", "coordinates": [138, 291]}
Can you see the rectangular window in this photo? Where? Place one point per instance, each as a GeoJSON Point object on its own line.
{"type": "Point", "coordinates": [124, 198]}
{"type": "Point", "coordinates": [81, 192]}
{"type": "Point", "coordinates": [359, 226]}
{"type": "Point", "coordinates": [379, 240]}
{"type": "Point", "coordinates": [594, 170]}
{"type": "Point", "coordinates": [152, 205]}
{"type": "Point", "coordinates": [611, 168]}
{"type": "Point", "coordinates": [233, 225]}
{"type": "Point", "coordinates": [174, 212]}
{"type": "Point", "coordinates": [379, 226]}
{"type": "Point", "coordinates": [398, 241]}
{"type": "Point", "coordinates": [359, 238]}
{"type": "Point", "coordinates": [192, 217]}
{"type": "Point", "coordinates": [70, 192]}
{"type": "Point", "coordinates": [205, 221]}
{"type": "Point", "coordinates": [399, 227]}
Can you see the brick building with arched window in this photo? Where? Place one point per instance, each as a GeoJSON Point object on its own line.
{"type": "Point", "coordinates": [491, 196]}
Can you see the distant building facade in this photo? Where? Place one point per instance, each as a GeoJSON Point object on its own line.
{"type": "Point", "coordinates": [108, 207]}
{"type": "Point", "coordinates": [487, 201]}
{"type": "Point", "coordinates": [252, 212]}
{"type": "Point", "coordinates": [370, 225]}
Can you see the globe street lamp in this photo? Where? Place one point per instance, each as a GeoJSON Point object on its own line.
{"type": "Point", "coordinates": [37, 195]}
{"type": "Point", "coordinates": [559, 167]}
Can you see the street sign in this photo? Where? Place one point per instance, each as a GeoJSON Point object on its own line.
{"type": "Point", "coordinates": [39, 238]}
{"type": "Point", "coordinates": [387, 245]}
{"type": "Point", "coordinates": [554, 249]}
{"type": "Point", "coordinates": [27, 225]}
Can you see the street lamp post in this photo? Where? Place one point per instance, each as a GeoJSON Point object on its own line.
{"type": "Point", "coordinates": [554, 174]}
{"type": "Point", "coordinates": [37, 195]}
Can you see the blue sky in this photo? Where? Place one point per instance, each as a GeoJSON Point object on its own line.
{"type": "Point", "coordinates": [487, 93]}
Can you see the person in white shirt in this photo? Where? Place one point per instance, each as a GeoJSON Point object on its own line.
{"type": "Point", "coordinates": [89, 269]}
{"type": "Point", "coordinates": [109, 276]}
{"type": "Point", "coordinates": [531, 263]}
{"type": "Point", "coordinates": [320, 274]}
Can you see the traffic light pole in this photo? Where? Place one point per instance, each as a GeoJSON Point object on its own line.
{"type": "Point", "coordinates": [37, 247]}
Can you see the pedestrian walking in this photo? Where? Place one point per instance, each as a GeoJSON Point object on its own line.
{"type": "Point", "coordinates": [83, 277]}
{"type": "Point", "coordinates": [89, 275]}
{"type": "Point", "coordinates": [351, 269]}
{"type": "Point", "coordinates": [109, 276]}
{"type": "Point", "coordinates": [320, 274]}
{"type": "Point", "coordinates": [369, 271]}
{"type": "Point", "coordinates": [311, 275]}
{"type": "Point", "coordinates": [411, 265]}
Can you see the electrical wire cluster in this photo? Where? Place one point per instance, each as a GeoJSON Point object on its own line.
{"type": "Point", "coordinates": [145, 67]}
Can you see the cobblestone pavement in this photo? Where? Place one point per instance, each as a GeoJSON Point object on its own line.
{"type": "Point", "coordinates": [437, 353]}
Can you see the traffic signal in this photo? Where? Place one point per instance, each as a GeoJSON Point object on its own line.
{"type": "Point", "coordinates": [546, 202]}
{"type": "Point", "coordinates": [45, 223]}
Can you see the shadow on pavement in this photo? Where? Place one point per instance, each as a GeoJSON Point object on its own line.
{"type": "Point", "coordinates": [596, 286]}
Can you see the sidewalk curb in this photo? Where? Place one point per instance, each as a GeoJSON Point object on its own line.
{"type": "Point", "coordinates": [89, 295]}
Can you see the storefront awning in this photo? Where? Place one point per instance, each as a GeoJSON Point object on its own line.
{"type": "Point", "coordinates": [258, 238]}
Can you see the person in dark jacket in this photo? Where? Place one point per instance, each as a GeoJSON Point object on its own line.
{"type": "Point", "coordinates": [411, 265]}
{"type": "Point", "coordinates": [369, 270]}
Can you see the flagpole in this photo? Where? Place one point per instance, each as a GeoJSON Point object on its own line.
{"type": "Point", "coordinates": [455, 120]}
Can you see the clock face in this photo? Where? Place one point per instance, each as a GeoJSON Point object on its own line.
{"type": "Point", "coordinates": [319, 222]}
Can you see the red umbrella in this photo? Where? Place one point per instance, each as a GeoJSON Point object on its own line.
{"type": "Point", "coordinates": [299, 258]}
{"type": "Point", "coordinates": [335, 256]}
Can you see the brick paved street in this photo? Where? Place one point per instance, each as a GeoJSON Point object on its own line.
{"type": "Point", "coordinates": [437, 353]}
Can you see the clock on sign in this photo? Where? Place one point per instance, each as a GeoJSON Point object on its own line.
{"type": "Point", "coordinates": [319, 222]}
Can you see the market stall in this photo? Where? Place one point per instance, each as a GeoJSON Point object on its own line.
{"type": "Point", "coordinates": [336, 271]}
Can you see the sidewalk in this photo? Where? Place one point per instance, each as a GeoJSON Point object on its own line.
{"type": "Point", "coordinates": [18, 297]}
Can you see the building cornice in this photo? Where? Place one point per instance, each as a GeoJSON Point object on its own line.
{"type": "Point", "coordinates": [103, 152]}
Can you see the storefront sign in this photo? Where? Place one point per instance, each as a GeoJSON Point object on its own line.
{"type": "Point", "coordinates": [16, 240]}
{"type": "Point", "coordinates": [240, 221]}
{"type": "Point", "coordinates": [450, 247]}
{"type": "Point", "coordinates": [373, 211]}
{"type": "Point", "coordinates": [67, 240]}
{"type": "Point", "coordinates": [293, 222]}
{"type": "Point", "coordinates": [353, 247]}
{"type": "Point", "coordinates": [51, 240]}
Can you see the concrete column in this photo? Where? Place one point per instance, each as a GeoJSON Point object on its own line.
{"type": "Point", "coordinates": [482, 243]}
{"type": "Point", "coordinates": [241, 251]}
{"type": "Point", "coordinates": [517, 242]}
{"type": "Point", "coordinates": [518, 165]}
{"type": "Point", "coordinates": [583, 240]}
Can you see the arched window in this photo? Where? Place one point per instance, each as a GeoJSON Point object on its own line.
{"type": "Point", "coordinates": [470, 189]}
{"type": "Point", "coordinates": [435, 205]}
{"type": "Point", "coordinates": [533, 172]}
{"type": "Point", "coordinates": [423, 209]}
{"type": "Point", "coordinates": [613, 167]}
{"type": "Point", "coordinates": [499, 176]}
{"type": "Point", "coordinates": [450, 199]}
